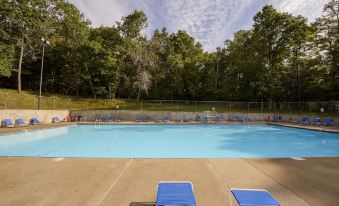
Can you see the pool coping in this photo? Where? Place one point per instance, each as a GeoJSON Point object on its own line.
{"type": "Point", "coordinates": [334, 130]}
{"type": "Point", "coordinates": [30, 128]}
{"type": "Point", "coordinates": [7, 131]}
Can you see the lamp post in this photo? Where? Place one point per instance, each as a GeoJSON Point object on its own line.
{"type": "Point", "coordinates": [295, 50]}
{"type": "Point", "coordinates": [238, 77]}
{"type": "Point", "coordinates": [45, 42]}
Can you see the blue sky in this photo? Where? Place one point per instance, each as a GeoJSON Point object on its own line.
{"type": "Point", "coordinates": [210, 21]}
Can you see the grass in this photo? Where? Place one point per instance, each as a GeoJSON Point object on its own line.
{"type": "Point", "coordinates": [10, 99]}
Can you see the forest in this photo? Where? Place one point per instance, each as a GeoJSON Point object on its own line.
{"type": "Point", "coordinates": [281, 58]}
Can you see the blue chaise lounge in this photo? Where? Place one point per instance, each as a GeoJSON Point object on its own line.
{"type": "Point", "coordinates": [175, 193]}
{"type": "Point", "coordinates": [254, 197]}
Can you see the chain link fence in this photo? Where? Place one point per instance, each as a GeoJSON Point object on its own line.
{"type": "Point", "coordinates": [10, 100]}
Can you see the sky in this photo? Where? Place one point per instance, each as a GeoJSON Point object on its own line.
{"type": "Point", "coordinates": [210, 22]}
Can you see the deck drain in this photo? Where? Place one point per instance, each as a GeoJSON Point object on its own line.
{"type": "Point", "coordinates": [298, 158]}
{"type": "Point", "coordinates": [57, 159]}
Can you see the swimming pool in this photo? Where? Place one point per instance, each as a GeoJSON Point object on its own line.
{"type": "Point", "coordinates": [171, 141]}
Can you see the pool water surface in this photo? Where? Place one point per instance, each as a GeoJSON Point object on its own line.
{"type": "Point", "coordinates": [171, 141]}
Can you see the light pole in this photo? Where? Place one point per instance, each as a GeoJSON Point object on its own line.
{"type": "Point", "coordinates": [45, 42]}
{"type": "Point", "coordinates": [295, 50]}
{"type": "Point", "coordinates": [238, 77]}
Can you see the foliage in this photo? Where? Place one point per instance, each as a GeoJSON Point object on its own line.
{"type": "Point", "coordinates": [281, 58]}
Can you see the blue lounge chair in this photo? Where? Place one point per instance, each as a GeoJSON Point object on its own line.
{"type": "Point", "coordinates": [254, 197]}
{"type": "Point", "coordinates": [147, 118]}
{"type": "Point", "coordinates": [239, 118]}
{"type": "Point", "coordinates": [7, 123]}
{"type": "Point", "coordinates": [328, 121]}
{"type": "Point", "coordinates": [197, 118]}
{"type": "Point", "coordinates": [56, 120]}
{"type": "Point", "coordinates": [35, 121]}
{"type": "Point", "coordinates": [218, 118]}
{"type": "Point", "coordinates": [304, 120]}
{"type": "Point", "coordinates": [206, 119]}
{"type": "Point", "coordinates": [316, 121]}
{"type": "Point", "coordinates": [166, 119]}
{"type": "Point", "coordinates": [104, 119]}
{"type": "Point", "coordinates": [175, 193]}
{"type": "Point", "coordinates": [107, 119]}
{"type": "Point", "coordinates": [139, 118]}
{"type": "Point", "coordinates": [20, 123]}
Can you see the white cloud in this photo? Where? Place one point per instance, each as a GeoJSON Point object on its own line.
{"type": "Point", "coordinates": [311, 9]}
{"type": "Point", "coordinates": [210, 21]}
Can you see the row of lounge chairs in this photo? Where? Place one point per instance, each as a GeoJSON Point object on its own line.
{"type": "Point", "coordinates": [198, 118]}
{"type": "Point", "coordinates": [7, 123]}
{"type": "Point", "coordinates": [327, 121]}
{"type": "Point", "coordinates": [181, 193]}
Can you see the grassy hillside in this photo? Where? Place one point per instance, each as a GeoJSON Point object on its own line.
{"type": "Point", "coordinates": [10, 99]}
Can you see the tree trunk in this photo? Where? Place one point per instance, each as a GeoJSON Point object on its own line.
{"type": "Point", "coordinates": [20, 64]}
{"type": "Point", "coordinates": [92, 87]}
{"type": "Point", "coordinates": [139, 94]}
{"type": "Point", "coordinates": [113, 95]}
{"type": "Point", "coordinates": [90, 82]}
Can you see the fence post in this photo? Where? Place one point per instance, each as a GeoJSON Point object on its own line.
{"type": "Point", "coordinates": [230, 106]}
{"type": "Point", "coordinates": [177, 105]}
{"type": "Point", "coordinates": [33, 101]}
{"type": "Point", "coordinates": [54, 103]}
{"type": "Point", "coordinates": [262, 106]}
{"type": "Point", "coordinates": [123, 110]}
{"type": "Point", "coordinates": [195, 106]}
{"type": "Point", "coordinates": [5, 100]}
{"type": "Point", "coordinates": [248, 107]}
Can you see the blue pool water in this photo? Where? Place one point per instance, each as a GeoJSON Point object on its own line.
{"type": "Point", "coordinates": [171, 141]}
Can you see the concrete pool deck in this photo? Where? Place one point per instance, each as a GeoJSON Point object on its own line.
{"type": "Point", "coordinates": [133, 182]}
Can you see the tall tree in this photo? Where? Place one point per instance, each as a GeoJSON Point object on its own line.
{"type": "Point", "coordinates": [26, 22]}
{"type": "Point", "coordinates": [272, 30]}
{"type": "Point", "coordinates": [328, 43]}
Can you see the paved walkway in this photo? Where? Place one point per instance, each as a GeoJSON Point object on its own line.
{"type": "Point", "coordinates": [132, 182]}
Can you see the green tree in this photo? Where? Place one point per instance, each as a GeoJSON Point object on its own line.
{"type": "Point", "coordinates": [327, 41]}
{"type": "Point", "coordinates": [71, 33]}
{"type": "Point", "coordinates": [26, 22]}
{"type": "Point", "coordinates": [6, 60]}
